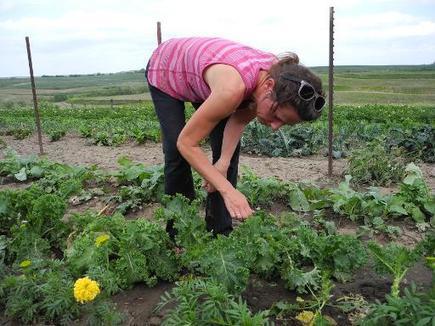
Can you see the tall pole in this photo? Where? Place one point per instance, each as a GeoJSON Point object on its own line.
{"type": "Point", "coordinates": [331, 88]}
{"type": "Point", "coordinates": [159, 33]}
{"type": "Point", "coordinates": [35, 101]}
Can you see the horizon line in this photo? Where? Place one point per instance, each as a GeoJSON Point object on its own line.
{"type": "Point", "coordinates": [143, 69]}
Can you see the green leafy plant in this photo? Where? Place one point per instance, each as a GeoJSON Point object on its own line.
{"type": "Point", "coordinates": [33, 221]}
{"type": "Point", "coordinates": [146, 132]}
{"type": "Point", "coordinates": [21, 133]}
{"type": "Point", "coordinates": [221, 261]}
{"type": "Point", "coordinates": [140, 185]}
{"type": "Point", "coordinates": [416, 141]}
{"type": "Point", "coordinates": [102, 312]}
{"type": "Point", "coordinates": [394, 260]}
{"type": "Point", "coordinates": [310, 308]}
{"type": "Point", "coordinates": [55, 135]}
{"type": "Point", "coordinates": [65, 181]}
{"type": "Point", "coordinates": [373, 164]}
{"type": "Point", "coordinates": [414, 197]}
{"type": "Point", "coordinates": [39, 290]}
{"type": "Point", "coordinates": [347, 201]}
{"type": "Point", "coordinates": [337, 255]}
{"type": "Point", "coordinates": [22, 168]}
{"type": "Point", "coordinates": [206, 302]}
{"type": "Point", "coordinates": [217, 258]}
{"type": "Point", "coordinates": [191, 230]}
{"type": "Point", "coordinates": [118, 253]}
{"type": "Point", "coordinates": [413, 308]}
{"type": "Point", "coordinates": [288, 141]}
{"type": "Point", "coordinates": [110, 138]}
{"type": "Point", "coordinates": [46, 218]}
{"type": "Point", "coordinates": [260, 192]}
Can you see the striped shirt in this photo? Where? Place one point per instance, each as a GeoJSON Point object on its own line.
{"type": "Point", "coordinates": [176, 67]}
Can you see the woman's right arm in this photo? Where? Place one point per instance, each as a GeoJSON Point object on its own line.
{"type": "Point", "coordinates": [231, 137]}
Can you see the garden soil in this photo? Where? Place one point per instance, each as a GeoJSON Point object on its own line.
{"type": "Point", "coordinates": [139, 303]}
{"type": "Point", "coordinates": [75, 150]}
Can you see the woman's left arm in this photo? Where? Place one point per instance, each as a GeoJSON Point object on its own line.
{"type": "Point", "coordinates": [233, 133]}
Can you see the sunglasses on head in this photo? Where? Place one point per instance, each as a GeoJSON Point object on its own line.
{"type": "Point", "coordinates": [307, 92]}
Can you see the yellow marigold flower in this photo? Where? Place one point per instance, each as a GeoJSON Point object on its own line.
{"type": "Point", "coordinates": [306, 318]}
{"type": "Point", "coordinates": [102, 239]}
{"type": "Point", "coordinates": [25, 263]}
{"type": "Point", "coordinates": [85, 289]}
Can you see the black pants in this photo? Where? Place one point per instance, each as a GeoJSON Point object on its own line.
{"type": "Point", "coordinates": [178, 174]}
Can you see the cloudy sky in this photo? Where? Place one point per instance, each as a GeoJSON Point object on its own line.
{"type": "Point", "coordinates": [88, 36]}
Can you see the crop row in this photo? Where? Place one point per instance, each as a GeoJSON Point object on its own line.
{"type": "Point", "coordinates": [408, 128]}
{"type": "Point", "coordinates": [44, 251]}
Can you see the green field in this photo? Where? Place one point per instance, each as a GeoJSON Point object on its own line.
{"type": "Point", "coordinates": [382, 84]}
{"type": "Point", "coordinates": [80, 245]}
{"type": "Point", "coordinates": [86, 89]}
{"type": "Point", "coordinates": [408, 85]}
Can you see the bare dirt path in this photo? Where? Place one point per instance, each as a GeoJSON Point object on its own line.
{"type": "Point", "coordinates": [75, 150]}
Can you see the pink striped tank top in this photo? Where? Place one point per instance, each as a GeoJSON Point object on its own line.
{"type": "Point", "coordinates": [176, 67]}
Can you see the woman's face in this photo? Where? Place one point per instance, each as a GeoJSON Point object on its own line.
{"type": "Point", "coordinates": [274, 116]}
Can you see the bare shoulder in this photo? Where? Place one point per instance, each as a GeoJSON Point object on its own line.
{"type": "Point", "coordinates": [222, 77]}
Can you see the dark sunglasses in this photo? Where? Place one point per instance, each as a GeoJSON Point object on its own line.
{"type": "Point", "coordinates": [307, 92]}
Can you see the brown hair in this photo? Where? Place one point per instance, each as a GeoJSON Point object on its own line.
{"type": "Point", "coordinates": [286, 92]}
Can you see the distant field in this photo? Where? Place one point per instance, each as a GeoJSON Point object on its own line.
{"type": "Point", "coordinates": [75, 88]}
{"type": "Point", "coordinates": [410, 85]}
{"type": "Point", "coordinates": [382, 84]}
{"type": "Point", "coordinates": [76, 81]}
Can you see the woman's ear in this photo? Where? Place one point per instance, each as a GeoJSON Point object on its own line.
{"type": "Point", "coordinates": [270, 84]}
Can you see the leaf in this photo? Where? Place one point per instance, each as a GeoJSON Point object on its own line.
{"type": "Point", "coordinates": [424, 321]}
{"type": "Point", "coordinates": [133, 172]}
{"type": "Point", "coordinates": [21, 176]}
{"type": "Point", "coordinates": [298, 201]}
{"type": "Point", "coordinates": [337, 154]}
{"type": "Point", "coordinates": [417, 214]}
{"type": "Point", "coordinates": [36, 171]}
{"type": "Point", "coordinates": [393, 259]}
{"type": "Point", "coordinates": [413, 172]}
{"type": "Point", "coordinates": [124, 161]}
{"type": "Point", "coordinates": [410, 179]}
{"type": "Point", "coordinates": [430, 206]}
{"type": "Point", "coordinates": [221, 263]}
{"type": "Point", "coordinates": [4, 205]}
{"type": "Point", "coordinates": [298, 279]}
{"type": "Point", "coordinates": [378, 221]}
{"type": "Point", "coordinates": [395, 205]}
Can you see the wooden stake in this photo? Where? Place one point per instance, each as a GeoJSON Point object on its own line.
{"type": "Point", "coordinates": [35, 101]}
{"type": "Point", "coordinates": [331, 88]}
{"type": "Point", "coordinates": [159, 33]}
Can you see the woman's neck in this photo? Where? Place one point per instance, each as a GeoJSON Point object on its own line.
{"type": "Point", "coordinates": [262, 77]}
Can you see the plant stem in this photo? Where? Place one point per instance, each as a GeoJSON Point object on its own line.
{"type": "Point", "coordinates": [395, 290]}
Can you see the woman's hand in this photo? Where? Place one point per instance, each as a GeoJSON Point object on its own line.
{"type": "Point", "coordinates": [222, 167]}
{"type": "Point", "coordinates": [235, 201]}
{"type": "Point", "coordinates": [237, 204]}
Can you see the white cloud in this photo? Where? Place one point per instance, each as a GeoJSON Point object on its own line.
{"type": "Point", "coordinates": [109, 34]}
{"type": "Point", "coordinates": [382, 27]}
